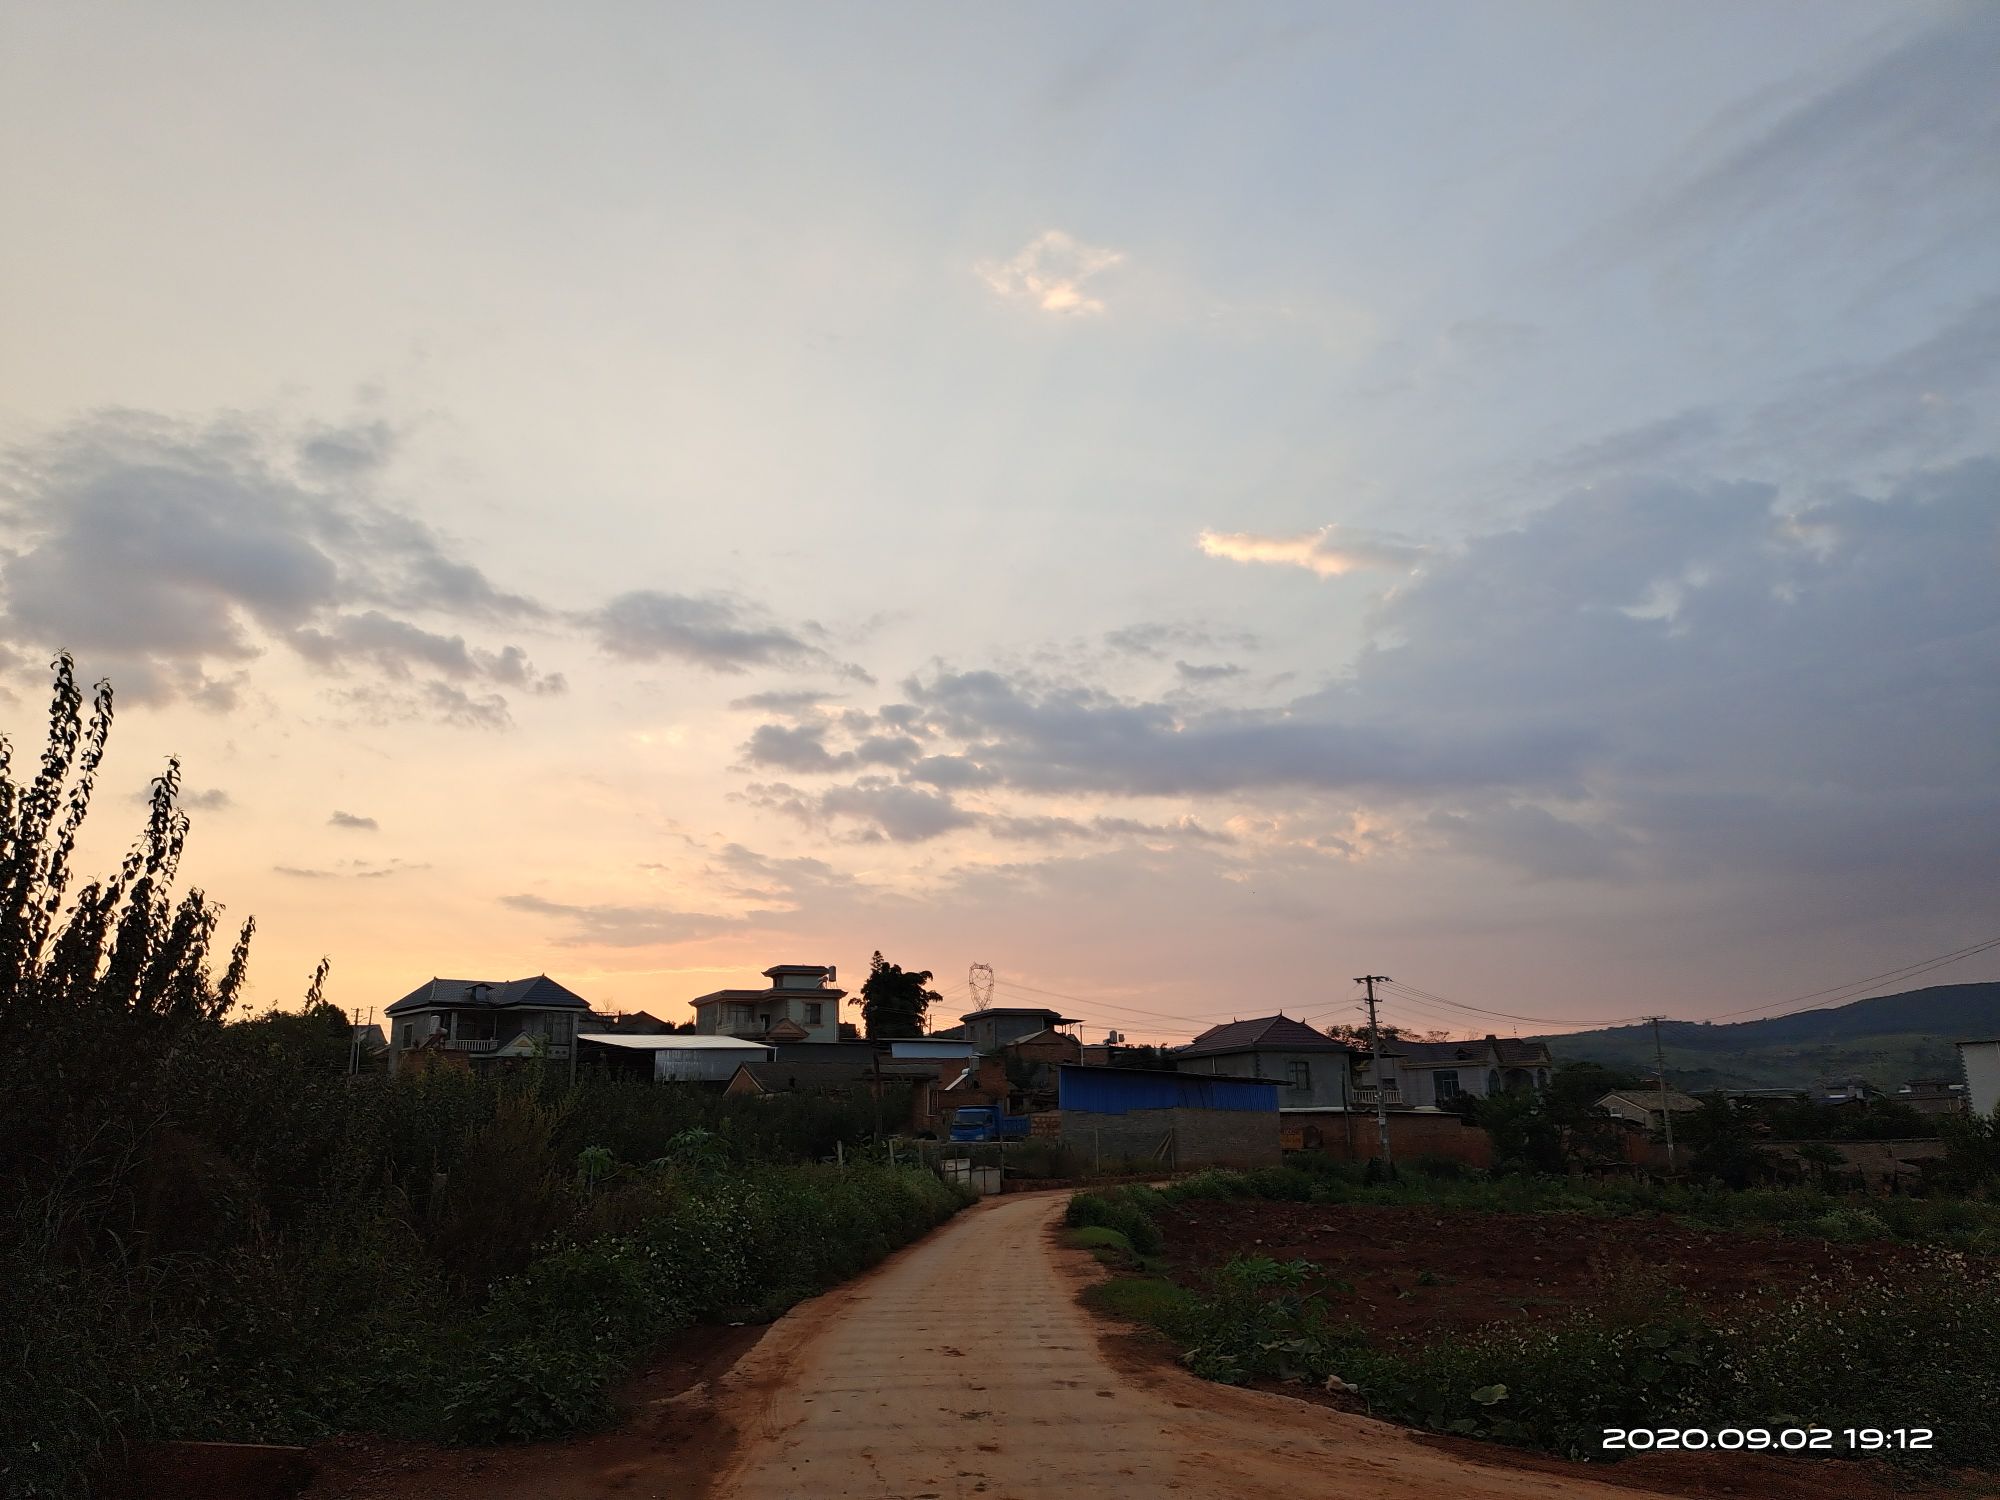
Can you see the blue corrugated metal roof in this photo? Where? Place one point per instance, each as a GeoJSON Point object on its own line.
{"type": "Point", "coordinates": [1114, 1091]}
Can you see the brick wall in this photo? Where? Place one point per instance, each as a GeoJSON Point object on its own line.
{"type": "Point", "coordinates": [1199, 1137]}
{"type": "Point", "coordinates": [1351, 1136]}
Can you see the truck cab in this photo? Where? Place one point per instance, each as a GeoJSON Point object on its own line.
{"type": "Point", "coordinates": [987, 1122]}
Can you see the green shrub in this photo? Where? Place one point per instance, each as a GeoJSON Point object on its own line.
{"type": "Point", "coordinates": [1122, 1209]}
{"type": "Point", "coordinates": [1214, 1182]}
{"type": "Point", "coordinates": [1108, 1245]}
{"type": "Point", "coordinates": [532, 1389]}
{"type": "Point", "coordinates": [1283, 1184]}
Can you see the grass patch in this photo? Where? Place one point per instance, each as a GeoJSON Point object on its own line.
{"type": "Point", "coordinates": [1110, 1246]}
{"type": "Point", "coordinates": [1152, 1301]}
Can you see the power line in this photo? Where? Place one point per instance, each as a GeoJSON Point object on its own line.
{"type": "Point", "coordinates": [1861, 986]}
{"type": "Point", "coordinates": [1111, 1005]}
{"type": "Point", "coordinates": [1504, 1015]}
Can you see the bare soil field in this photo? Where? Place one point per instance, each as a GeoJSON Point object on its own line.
{"type": "Point", "coordinates": [1493, 1267]}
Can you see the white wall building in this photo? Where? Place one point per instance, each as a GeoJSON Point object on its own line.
{"type": "Point", "coordinates": [1981, 1061]}
{"type": "Point", "coordinates": [801, 1005]}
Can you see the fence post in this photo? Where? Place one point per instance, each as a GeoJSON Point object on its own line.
{"type": "Point", "coordinates": [892, 1153]}
{"type": "Point", "coordinates": [840, 1154]}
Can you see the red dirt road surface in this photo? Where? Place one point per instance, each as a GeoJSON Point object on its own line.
{"type": "Point", "coordinates": [964, 1367]}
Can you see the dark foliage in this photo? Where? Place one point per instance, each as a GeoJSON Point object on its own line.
{"type": "Point", "coordinates": [894, 1001]}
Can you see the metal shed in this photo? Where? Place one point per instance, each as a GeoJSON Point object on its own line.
{"type": "Point", "coordinates": [1118, 1091]}
{"type": "Point", "coordinates": [681, 1058]}
{"type": "Point", "coordinates": [1141, 1115]}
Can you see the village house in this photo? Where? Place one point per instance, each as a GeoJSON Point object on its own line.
{"type": "Point", "coordinates": [484, 1022]}
{"type": "Point", "coordinates": [799, 1005]}
{"type": "Point", "coordinates": [1312, 1067]}
{"type": "Point", "coordinates": [1643, 1107]}
{"type": "Point", "coordinates": [1933, 1096]}
{"type": "Point", "coordinates": [1437, 1074]}
{"type": "Point", "coordinates": [1021, 1076]}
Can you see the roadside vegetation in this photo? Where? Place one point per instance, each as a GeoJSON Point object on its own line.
{"type": "Point", "coordinates": [1852, 1345]}
{"type": "Point", "coordinates": [208, 1229]}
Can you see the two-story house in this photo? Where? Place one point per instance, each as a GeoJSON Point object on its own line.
{"type": "Point", "coordinates": [800, 1005]}
{"type": "Point", "coordinates": [486, 1021]}
{"type": "Point", "coordinates": [1434, 1074]}
{"type": "Point", "coordinates": [1311, 1066]}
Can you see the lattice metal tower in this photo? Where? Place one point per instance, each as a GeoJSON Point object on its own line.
{"type": "Point", "coordinates": [979, 980]}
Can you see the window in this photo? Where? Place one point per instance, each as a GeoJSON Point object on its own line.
{"type": "Point", "coordinates": [736, 1015]}
{"type": "Point", "coordinates": [814, 1009]}
{"type": "Point", "coordinates": [1447, 1085]}
{"type": "Point", "coordinates": [1302, 1077]}
{"type": "Point", "coordinates": [1493, 1081]}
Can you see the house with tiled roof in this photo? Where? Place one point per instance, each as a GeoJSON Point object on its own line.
{"type": "Point", "coordinates": [486, 1022]}
{"type": "Point", "coordinates": [800, 1004]}
{"type": "Point", "coordinates": [1437, 1074]}
{"type": "Point", "coordinates": [1312, 1067]}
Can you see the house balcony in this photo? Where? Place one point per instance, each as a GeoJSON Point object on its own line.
{"type": "Point", "coordinates": [1391, 1098]}
{"type": "Point", "coordinates": [471, 1044]}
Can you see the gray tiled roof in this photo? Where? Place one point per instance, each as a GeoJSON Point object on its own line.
{"type": "Point", "coordinates": [538, 993]}
{"type": "Point", "coordinates": [1504, 1050]}
{"type": "Point", "coordinates": [1265, 1033]}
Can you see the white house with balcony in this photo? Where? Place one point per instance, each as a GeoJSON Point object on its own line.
{"type": "Point", "coordinates": [487, 1021]}
{"type": "Point", "coordinates": [1437, 1074]}
{"type": "Point", "coordinates": [800, 1004]}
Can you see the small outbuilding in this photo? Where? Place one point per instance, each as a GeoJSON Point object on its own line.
{"type": "Point", "coordinates": [670, 1058]}
{"type": "Point", "coordinates": [1177, 1119]}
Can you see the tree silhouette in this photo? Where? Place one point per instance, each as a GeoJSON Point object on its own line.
{"type": "Point", "coordinates": [894, 1001]}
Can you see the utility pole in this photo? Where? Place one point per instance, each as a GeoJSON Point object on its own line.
{"type": "Point", "coordinates": [1666, 1115]}
{"type": "Point", "coordinates": [1375, 1053]}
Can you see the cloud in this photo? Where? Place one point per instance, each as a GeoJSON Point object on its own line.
{"type": "Point", "coordinates": [1908, 134]}
{"type": "Point", "coordinates": [1675, 680]}
{"type": "Point", "coordinates": [711, 631]}
{"type": "Point", "coordinates": [1207, 672]}
{"type": "Point", "coordinates": [1927, 402]}
{"type": "Point", "coordinates": [1050, 830]}
{"type": "Point", "coordinates": [397, 649]}
{"type": "Point", "coordinates": [880, 808]}
{"type": "Point", "coordinates": [172, 556]}
{"type": "Point", "coordinates": [783, 701]}
{"type": "Point", "coordinates": [611, 925]}
{"type": "Point", "coordinates": [1328, 552]}
{"type": "Point", "coordinates": [1156, 638]}
{"type": "Point", "coordinates": [352, 821]}
{"type": "Point", "coordinates": [1051, 272]}
{"type": "Point", "coordinates": [203, 799]}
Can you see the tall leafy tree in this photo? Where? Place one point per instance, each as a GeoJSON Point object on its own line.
{"type": "Point", "coordinates": [96, 988]}
{"type": "Point", "coordinates": [895, 1001]}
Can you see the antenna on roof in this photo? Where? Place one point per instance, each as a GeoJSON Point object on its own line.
{"type": "Point", "coordinates": [979, 980]}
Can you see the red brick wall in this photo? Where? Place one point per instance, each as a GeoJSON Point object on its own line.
{"type": "Point", "coordinates": [1351, 1136]}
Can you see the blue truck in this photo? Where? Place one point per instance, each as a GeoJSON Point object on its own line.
{"type": "Point", "coordinates": [988, 1122]}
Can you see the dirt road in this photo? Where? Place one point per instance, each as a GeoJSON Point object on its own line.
{"type": "Point", "coordinates": [964, 1367]}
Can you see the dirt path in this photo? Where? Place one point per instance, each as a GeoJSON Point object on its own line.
{"type": "Point", "coordinates": [965, 1367]}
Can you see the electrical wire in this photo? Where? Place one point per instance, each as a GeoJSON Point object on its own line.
{"type": "Point", "coordinates": [1874, 981]}
{"type": "Point", "coordinates": [1398, 987]}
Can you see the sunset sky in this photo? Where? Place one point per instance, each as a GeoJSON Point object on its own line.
{"type": "Point", "coordinates": [1183, 503]}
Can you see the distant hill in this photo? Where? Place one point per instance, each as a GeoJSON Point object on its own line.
{"type": "Point", "coordinates": [1887, 1040]}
